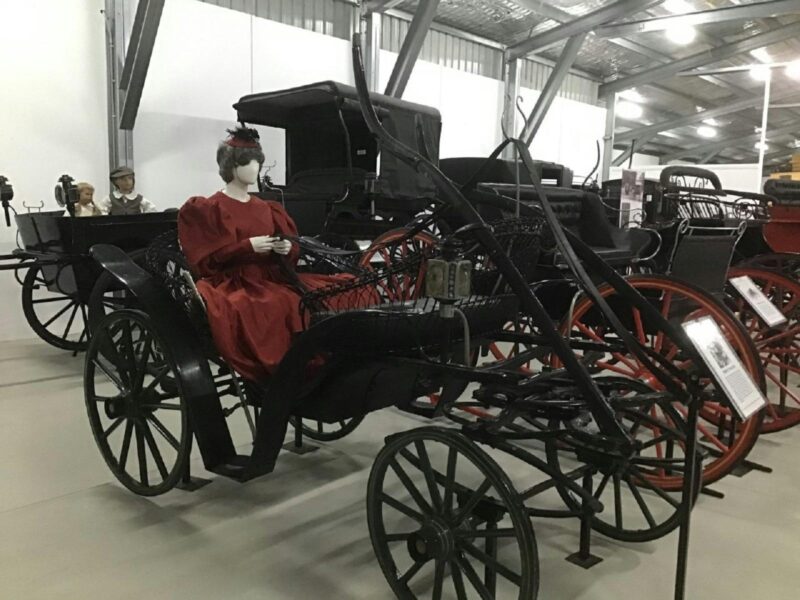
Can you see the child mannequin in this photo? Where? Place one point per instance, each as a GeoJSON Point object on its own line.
{"type": "Point", "coordinates": [85, 206]}
{"type": "Point", "coordinates": [124, 200]}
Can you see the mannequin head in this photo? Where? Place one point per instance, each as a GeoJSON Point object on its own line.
{"type": "Point", "coordinates": [85, 193]}
{"type": "Point", "coordinates": [240, 156]}
{"type": "Point", "coordinates": [123, 179]}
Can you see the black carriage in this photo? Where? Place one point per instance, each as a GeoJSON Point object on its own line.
{"type": "Point", "coordinates": [60, 276]}
{"type": "Point", "coordinates": [337, 179]}
{"type": "Point", "coordinates": [437, 500]}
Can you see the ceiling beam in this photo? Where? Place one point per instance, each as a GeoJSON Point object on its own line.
{"type": "Point", "coordinates": [412, 45]}
{"type": "Point", "coordinates": [583, 24]}
{"type": "Point", "coordinates": [137, 59]}
{"type": "Point", "coordinates": [701, 116]}
{"type": "Point", "coordinates": [733, 142]}
{"type": "Point", "coordinates": [377, 6]}
{"type": "Point", "coordinates": [551, 87]}
{"type": "Point", "coordinates": [701, 58]}
{"type": "Point", "coordinates": [757, 10]}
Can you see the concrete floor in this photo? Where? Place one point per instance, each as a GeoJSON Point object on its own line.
{"type": "Point", "coordinates": [67, 530]}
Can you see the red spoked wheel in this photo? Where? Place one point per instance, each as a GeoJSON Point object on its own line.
{"type": "Point", "coordinates": [778, 347]}
{"type": "Point", "coordinates": [725, 439]}
{"type": "Point", "coordinates": [391, 248]}
{"type": "Point", "coordinates": [785, 264]}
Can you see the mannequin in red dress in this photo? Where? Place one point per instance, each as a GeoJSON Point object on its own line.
{"type": "Point", "coordinates": [231, 241]}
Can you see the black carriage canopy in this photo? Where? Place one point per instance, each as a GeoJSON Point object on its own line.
{"type": "Point", "coordinates": [320, 117]}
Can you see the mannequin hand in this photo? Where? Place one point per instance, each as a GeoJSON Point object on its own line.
{"type": "Point", "coordinates": [282, 247]}
{"type": "Point", "coordinates": [263, 244]}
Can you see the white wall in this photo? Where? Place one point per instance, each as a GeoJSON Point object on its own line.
{"type": "Point", "coordinates": [52, 112]}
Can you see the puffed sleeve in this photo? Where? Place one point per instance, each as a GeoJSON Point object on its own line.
{"type": "Point", "coordinates": [208, 238]}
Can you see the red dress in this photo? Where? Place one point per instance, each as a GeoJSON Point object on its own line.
{"type": "Point", "coordinates": [252, 309]}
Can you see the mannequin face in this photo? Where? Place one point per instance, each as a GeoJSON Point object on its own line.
{"type": "Point", "coordinates": [247, 174]}
{"type": "Point", "coordinates": [86, 196]}
{"type": "Point", "coordinates": [124, 184]}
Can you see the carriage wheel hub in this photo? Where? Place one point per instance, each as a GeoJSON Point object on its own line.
{"type": "Point", "coordinates": [434, 540]}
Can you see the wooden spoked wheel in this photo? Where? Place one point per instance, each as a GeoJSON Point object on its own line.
{"type": "Point", "coordinates": [778, 347]}
{"type": "Point", "coordinates": [636, 509]}
{"type": "Point", "coordinates": [137, 411]}
{"type": "Point", "coordinates": [785, 264]}
{"type": "Point", "coordinates": [445, 521]}
{"type": "Point", "coordinates": [327, 432]}
{"type": "Point", "coordinates": [58, 317]}
{"type": "Point", "coordinates": [391, 248]}
{"type": "Point", "coordinates": [722, 436]}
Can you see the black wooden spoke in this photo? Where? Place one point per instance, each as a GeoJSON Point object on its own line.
{"type": "Point", "coordinates": [473, 578]}
{"type": "Point", "coordinates": [427, 470]}
{"type": "Point", "coordinates": [642, 479]}
{"type": "Point", "coordinates": [157, 379]}
{"type": "Point", "coordinates": [141, 368]}
{"type": "Point", "coordinates": [640, 501]}
{"type": "Point", "coordinates": [156, 453]}
{"type": "Point", "coordinates": [499, 532]}
{"type": "Point", "coordinates": [491, 562]}
{"type": "Point", "coordinates": [126, 445]}
{"type": "Point", "coordinates": [409, 485]}
{"type": "Point", "coordinates": [617, 501]}
{"type": "Point", "coordinates": [458, 580]}
{"type": "Point", "coordinates": [450, 480]}
{"type": "Point", "coordinates": [438, 580]}
{"type": "Point", "coordinates": [111, 376]}
{"type": "Point", "coordinates": [59, 313]}
{"type": "Point", "coordinates": [473, 501]}
{"type": "Point", "coordinates": [413, 570]}
{"type": "Point", "coordinates": [165, 433]}
{"type": "Point", "coordinates": [397, 537]}
{"type": "Point", "coordinates": [142, 454]}
{"type": "Point", "coordinates": [117, 422]}
{"type": "Point", "coordinates": [69, 322]}
{"type": "Point", "coordinates": [400, 507]}
{"type": "Point", "coordinates": [54, 299]}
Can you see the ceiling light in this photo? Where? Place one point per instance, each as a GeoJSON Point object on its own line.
{"type": "Point", "coordinates": [633, 95]}
{"type": "Point", "coordinates": [706, 131]}
{"type": "Point", "coordinates": [629, 110]}
{"type": "Point", "coordinates": [758, 146]}
{"type": "Point", "coordinates": [678, 7]}
{"type": "Point", "coordinates": [681, 34]}
{"type": "Point", "coordinates": [760, 72]}
{"type": "Point", "coordinates": [793, 69]}
{"type": "Point", "coordinates": [761, 55]}
{"type": "Point", "coordinates": [713, 122]}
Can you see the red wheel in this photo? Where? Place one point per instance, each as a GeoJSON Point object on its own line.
{"type": "Point", "coordinates": [778, 347]}
{"type": "Point", "coordinates": [785, 264]}
{"type": "Point", "coordinates": [390, 248]}
{"type": "Point", "coordinates": [726, 440]}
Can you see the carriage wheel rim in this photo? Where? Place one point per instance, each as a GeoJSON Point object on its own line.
{"type": "Point", "coordinates": [779, 348]}
{"type": "Point", "coordinates": [446, 531]}
{"type": "Point", "coordinates": [747, 432]}
{"type": "Point", "coordinates": [142, 406]}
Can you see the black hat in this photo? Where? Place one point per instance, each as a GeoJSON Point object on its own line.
{"type": "Point", "coordinates": [120, 172]}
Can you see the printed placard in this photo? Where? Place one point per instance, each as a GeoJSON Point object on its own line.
{"type": "Point", "coordinates": [718, 355]}
{"type": "Point", "coordinates": [756, 299]}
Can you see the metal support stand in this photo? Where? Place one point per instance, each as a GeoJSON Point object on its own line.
{"type": "Point", "coordinates": [584, 557]}
{"type": "Point", "coordinates": [189, 483]}
{"type": "Point", "coordinates": [687, 500]}
{"type": "Point", "coordinates": [296, 446]}
{"type": "Point", "coordinates": [744, 467]}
